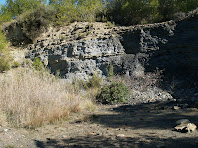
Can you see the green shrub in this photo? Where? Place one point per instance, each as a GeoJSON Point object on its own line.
{"type": "Point", "coordinates": [110, 24]}
{"type": "Point", "coordinates": [16, 64]}
{"type": "Point", "coordinates": [117, 92]}
{"type": "Point", "coordinates": [57, 74]}
{"type": "Point", "coordinates": [5, 57]}
{"type": "Point", "coordinates": [29, 25]}
{"type": "Point", "coordinates": [81, 35]}
{"type": "Point", "coordinates": [130, 12]}
{"type": "Point", "coordinates": [4, 63]}
{"type": "Point", "coordinates": [110, 72]}
{"type": "Point", "coordinates": [34, 22]}
{"type": "Point", "coordinates": [80, 84]}
{"type": "Point", "coordinates": [93, 82]}
{"type": "Point", "coordinates": [38, 65]}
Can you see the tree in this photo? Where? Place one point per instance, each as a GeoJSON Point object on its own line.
{"type": "Point", "coordinates": [17, 7]}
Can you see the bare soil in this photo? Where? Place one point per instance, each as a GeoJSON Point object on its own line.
{"type": "Point", "coordinates": [140, 126]}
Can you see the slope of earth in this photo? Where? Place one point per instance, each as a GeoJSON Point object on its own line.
{"type": "Point", "coordinates": [142, 126]}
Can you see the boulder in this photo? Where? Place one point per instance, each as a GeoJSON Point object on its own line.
{"type": "Point", "coordinates": [186, 127]}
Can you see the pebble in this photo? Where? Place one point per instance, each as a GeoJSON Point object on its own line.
{"type": "Point", "coordinates": [176, 107]}
{"type": "Point", "coordinates": [92, 134]}
{"type": "Point", "coordinates": [64, 136]}
{"type": "Point", "coordinates": [120, 135]}
{"type": "Point", "coordinates": [5, 130]}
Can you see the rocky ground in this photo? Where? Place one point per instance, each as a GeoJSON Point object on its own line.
{"type": "Point", "coordinates": [139, 126]}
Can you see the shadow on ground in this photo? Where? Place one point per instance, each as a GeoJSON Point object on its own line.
{"type": "Point", "coordinates": [104, 142]}
{"type": "Point", "coordinates": [146, 116]}
{"type": "Point", "coordinates": [154, 116]}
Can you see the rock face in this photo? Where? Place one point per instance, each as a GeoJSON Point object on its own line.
{"type": "Point", "coordinates": [172, 46]}
{"type": "Point", "coordinates": [80, 50]}
{"type": "Point", "coordinates": [84, 48]}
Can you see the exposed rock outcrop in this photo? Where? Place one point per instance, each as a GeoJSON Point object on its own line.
{"type": "Point", "coordinates": [84, 47]}
{"type": "Point", "coordinates": [81, 49]}
{"type": "Point", "coordinates": [173, 45]}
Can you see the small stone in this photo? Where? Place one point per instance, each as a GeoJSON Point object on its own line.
{"type": "Point", "coordinates": [176, 107]}
{"type": "Point", "coordinates": [64, 136]}
{"type": "Point", "coordinates": [120, 135]}
{"type": "Point", "coordinates": [5, 130]}
{"type": "Point", "coordinates": [174, 100]}
{"type": "Point", "coordinates": [92, 134]}
{"type": "Point", "coordinates": [182, 121]}
{"type": "Point", "coordinates": [188, 127]}
{"type": "Point", "coordinates": [191, 127]}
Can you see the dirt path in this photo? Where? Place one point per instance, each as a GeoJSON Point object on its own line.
{"type": "Point", "coordinates": [148, 125]}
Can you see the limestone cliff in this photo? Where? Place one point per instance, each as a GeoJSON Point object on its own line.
{"type": "Point", "coordinates": [81, 49]}
{"type": "Point", "coordinates": [85, 48]}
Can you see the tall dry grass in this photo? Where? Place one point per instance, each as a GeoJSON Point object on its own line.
{"type": "Point", "coordinates": [30, 98]}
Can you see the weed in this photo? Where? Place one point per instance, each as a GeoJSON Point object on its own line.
{"type": "Point", "coordinates": [4, 63]}
{"type": "Point", "coordinates": [63, 37]}
{"type": "Point", "coordinates": [16, 64]}
{"type": "Point", "coordinates": [95, 81]}
{"type": "Point", "coordinates": [38, 65]}
{"type": "Point", "coordinates": [111, 25]}
{"type": "Point", "coordinates": [81, 35]}
{"type": "Point", "coordinates": [9, 146]}
{"type": "Point", "coordinates": [110, 72]}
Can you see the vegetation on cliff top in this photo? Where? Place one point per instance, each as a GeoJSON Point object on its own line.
{"type": "Point", "coordinates": [124, 12]}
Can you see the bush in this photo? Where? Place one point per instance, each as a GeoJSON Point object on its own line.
{"type": "Point", "coordinates": [95, 81]}
{"type": "Point", "coordinates": [5, 57]}
{"type": "Point", "coordinates": [29, 25]}
{"type": "Point", "coordinates": [4, 63]}
{"type": "Point", "coordinates": [16, 64]}
{"type": "Point", "coordinates": [117, 92]}
{"type": "Point", "coordinates": [130, 12]}
{"type": "Point", "coordinates": [38, 65]}
{"type": "Point", "coordinates": [35, 22]}
{"type": "Point", "coordinates": [110, 71]}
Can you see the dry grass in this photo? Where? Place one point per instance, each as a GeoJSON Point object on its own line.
{"type": "Point", "coordinates": [29, 98]}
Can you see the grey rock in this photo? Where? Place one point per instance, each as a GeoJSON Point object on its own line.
{"type": "Point", "coordinates": [176, 107]}
{"type": "Point", "coordinates": [182, 121]}
{"type": "Point", "coordinates": [187, 127]}
{"type": "Point", "coordinates": [133, 51]}
{"type": "Point", "coordinates": [81, 58]}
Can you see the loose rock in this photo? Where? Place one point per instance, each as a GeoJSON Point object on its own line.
{"type": "Point", "coordinates": [182, 121]}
